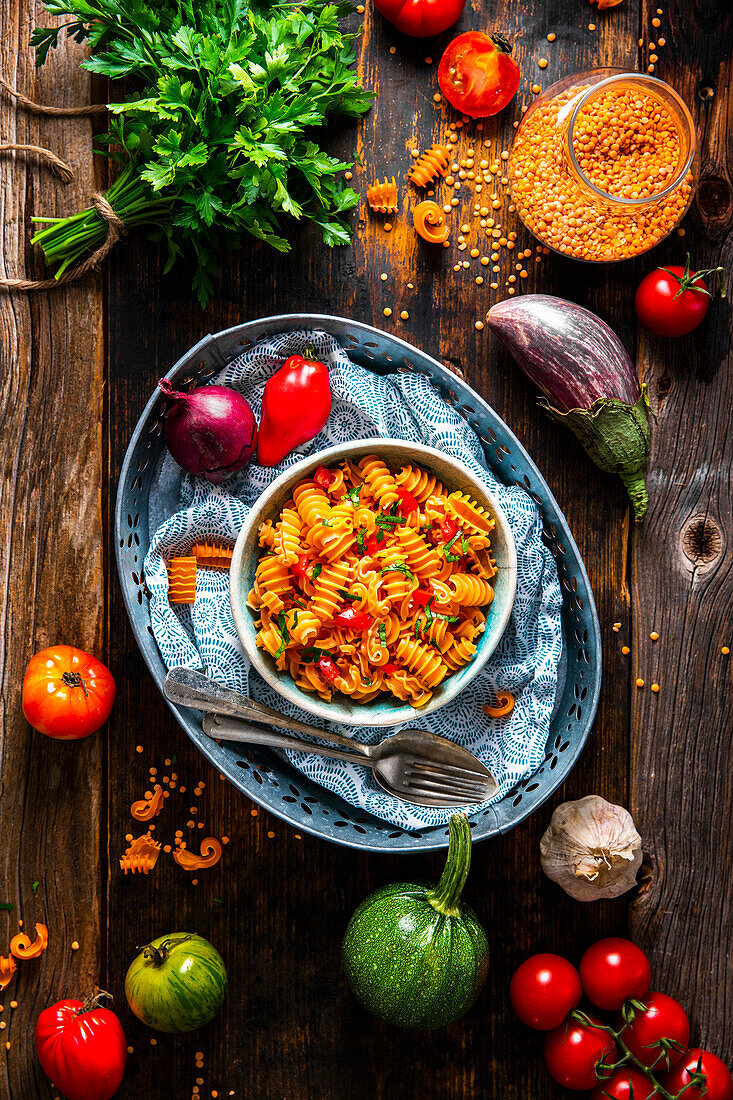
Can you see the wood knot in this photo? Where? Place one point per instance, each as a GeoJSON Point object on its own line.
{"type": "Point", "coordinates": [714, 196]}
{"type": "Point", "coordinates": [645, 876]}
{"type": "Point", "coordinates": [702, 540]}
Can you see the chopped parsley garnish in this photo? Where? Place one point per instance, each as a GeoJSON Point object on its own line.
{"type": "Point", "coordinates": [398, 567]}
{"type": "Point", "coordinates": [350, 596]}
{"type": "Point", "coordinates": [360, 540]}
{"type": "Point", "coordinates": [382, 632]}
{"type": "Point", "coordinates": [326, 523]}
{"type": "Point", "coordinates": [446, 548]}
{"type": "Point", "coordinates": [34, 887]}
{"type": "Point", "coordinates": [380, 535]}
{"type": "Point", "coordinates": [384, 520]}
{"type": "Point", "coordinates": [6, 905]}
{"type": "Point", "coordinates": [395, 508]}
{"type": "Point", "coordinates": [282, 629]}
{"type": "Point", "coordinates": [317, 569]}
{"type": "Point", "coordinates": [353, 495]}
{"type": "Point", "coordinates": [313, 653]}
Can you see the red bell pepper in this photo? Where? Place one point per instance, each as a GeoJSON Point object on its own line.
{"type": "Point", "coordinates": [322, 478]}
{"type": "Point", "coordinates": [389, 668]}
{"type": "Point", "coordinates": [351, 619]}
{"type": "Point", "coordinates": [420, 18]}
{"type": "Point", "coordinates": [295, 406]}
{"type": "Point", "coordinates": [328, 669]}
{"type": "Point", "coordinates": [371, 545]}
{"type": "Point", "coordinates": [407, 501]}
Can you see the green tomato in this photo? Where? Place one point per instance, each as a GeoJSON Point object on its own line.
{"type": "Point", "coordinates": [176, 983]}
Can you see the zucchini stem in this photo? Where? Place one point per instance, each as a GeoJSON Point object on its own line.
{"type": "Point", "coordinates": [445, 898]}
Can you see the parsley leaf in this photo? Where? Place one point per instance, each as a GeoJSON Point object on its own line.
{"type": "Point", "coordinates": [216, 123]}
{"type": "Point", "coordinates": [398, 567]}
{"type": "Point", "coordinates": [317, 569]}
{"type": "Point", "coordinates": [382, 632]}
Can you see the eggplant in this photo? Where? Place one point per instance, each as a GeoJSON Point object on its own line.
{"type": "Point", "coordinates": [588, 379]}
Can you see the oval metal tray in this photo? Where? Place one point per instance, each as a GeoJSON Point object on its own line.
{"type": "Point", "coordinates": [261, 774]}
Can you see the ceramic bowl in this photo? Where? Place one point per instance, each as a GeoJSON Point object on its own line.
{"type": "Point", "coordinates": [396, 453]}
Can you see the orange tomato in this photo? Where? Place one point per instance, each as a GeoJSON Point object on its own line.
{"type": "Point", "coordinates": [67, 693]}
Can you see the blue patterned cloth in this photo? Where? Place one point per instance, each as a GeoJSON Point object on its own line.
{"type": "Point", "coordinates": [185, 509]}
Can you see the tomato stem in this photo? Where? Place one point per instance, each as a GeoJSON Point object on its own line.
{"type": "Point", "coordinates": [94, 1000]}
{"type": "Point", "coordinates": [688, 280]}
{"type": "Point", "coordinates": [158, 955]}
{"type": "Point", "coordinates": [501, 42]}
{"type": "Point", "coordinates": [74, 680]}
{"type": "Point", "coordinates": [697, 1078]}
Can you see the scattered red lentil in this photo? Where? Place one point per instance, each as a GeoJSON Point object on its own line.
{"type": "Point", "coordinates": [625, 650]}
{"type": "Point", "coordinates": [138, 748]}
{"type": "Point", "coordinates": [130, 1050]}
{"type": "Point", "coordinates": [616, 627]}
{"type": "Point", "coordinates": [725, 650]}
{"type": "Point", "coordinates": [654, 636]}
{"type": "Point", "coordinates": [270, 833]}
{"type": "Point", "coordinates": [404, 314]}
{"type": "Point", "coordinates": [74, 947]}
{"type": "Point", "coordinates": [639, 682]}
{"type": "Point", "coordinates": [655, 688]}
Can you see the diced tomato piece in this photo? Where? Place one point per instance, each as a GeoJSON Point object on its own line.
{"type": "Point", "coordinates": [421, 597]}
{"type": "Point", "coordinates": [351, 619]}
{"type": "Point", "coordinates": [407, 501]}
{"type": "Point", "coordinates": [300, 567]}
{"type": "Point", "coordinates": [322, 478]}
{"type": "Point", "coordinates": [328, 669]}
{"type": "Point", "coordinates": [448, 529]}
{"type": "Point", "coordinates": [389, 668]}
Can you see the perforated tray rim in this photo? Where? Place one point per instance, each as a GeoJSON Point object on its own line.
{"type": "Point", "coordinates": [263, 775]}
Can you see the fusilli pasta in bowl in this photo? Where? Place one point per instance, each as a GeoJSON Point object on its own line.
{"type": "Point", "coordinates": [372, 581]}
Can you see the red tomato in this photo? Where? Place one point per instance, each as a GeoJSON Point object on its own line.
{"type": "Point", "coordinates": [718, 1081]}
{"type": "Point", "coordinates": [421, 18]}
{"type": "Point", "coordinates": [574, 1050]}
{"type": "Point", "coordinates": [407, 501]}
{"type": "Point", "coordinates": [544, 989]}
{"type": "Point", "coordinates": [351, 619]}
{"type": "Point", "coordinates": [625, 1084]}
{"type": "Point", "coordinates": [477, 74]}
{"type": "Point", "coordinates": [322, 478]}
{"type": "Point", "coordinates": [672, 301]}
{"type": "Point", "coordinates": [328, 669]}
{"type": "Point", "coordinates": [651, 1032]}
{"type": "Point", "coordinates": [67, 693]}
{"type": "Point", "coordinates": [389, 668]}
{"type": "Point", "coordinates": [613, 970]}
{"type": "Point", "coordinates": [82, 1048]}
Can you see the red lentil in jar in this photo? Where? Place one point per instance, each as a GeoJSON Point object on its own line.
{"type": "Point", "coordinates": [603, 166]}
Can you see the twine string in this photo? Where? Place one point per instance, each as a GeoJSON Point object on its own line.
{"type": "Point", "coordinates": [41, 109]}
{"type": "Point", "coordinates": [115, 229]}
{"type": "Point", "coordinates": [115, 224]}
{"type": "Point", "coordinates": [57, 165]}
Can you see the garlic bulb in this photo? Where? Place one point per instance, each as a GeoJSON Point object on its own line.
{"type": "Point", "coordinates": [591, 849]}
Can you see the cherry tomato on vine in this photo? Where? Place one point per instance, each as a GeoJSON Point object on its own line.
{"type": "Point", "coordinates": [421, 18]}
{"type": "Point", "coordinates": [67, 693]}
{"type": "Point", "coordinates": [613, 970]}
{"type": "Point", "coordinates": [574, 1050]}
{"type": "Point", "coordinates": [82, 1048]}
{"type": "Point", "coordinates": [718, 1081]}
{"type": "Point", "coordinates": [544, 989]}
{"type": "Point", "coordinates": [672, 301]}
{"type": "Point", "coordinates": [477, 73]}
{"type": "Point", "coordinates": [626, 1083]}
{"type": "Point", "coordinates": [658, 1036]}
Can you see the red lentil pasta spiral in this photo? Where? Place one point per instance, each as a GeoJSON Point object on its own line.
{"type": "Point", "coordinates": [373, 587]}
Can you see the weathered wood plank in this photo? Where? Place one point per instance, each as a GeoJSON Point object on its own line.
{"type": "Point", "coordinates": [51, 562]}
{"type": "Point", "coordinates": [682, 579]}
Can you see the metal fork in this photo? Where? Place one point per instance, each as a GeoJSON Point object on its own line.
{"type": "Point", "coordinates": [415, 765]}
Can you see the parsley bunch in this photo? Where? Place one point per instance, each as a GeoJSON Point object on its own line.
{"type": "Point", "coordinates": [217, 141]}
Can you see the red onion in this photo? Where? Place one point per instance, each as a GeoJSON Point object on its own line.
{"type": "Point", "coordinates": [210, 431]}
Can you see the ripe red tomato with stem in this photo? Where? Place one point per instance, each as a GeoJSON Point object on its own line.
{"type": "Point", "coordinates": [67, 693]}
{"type": "Point", "coordinates": [612, 970]}
{"type": "Point", "coordinates": [421, 18]}
{"type": "Point", "coordinates": [718, 1083]}
{"type": "Point", "coordinates": [574, 1050]}
{"type": "Point", "coordinates": [82, 1048]}
{"type": "Point", "coordinates": [657, 1031]}
{"type": "Point", "coordinates": [544, 990]}
{"type": "Point", "coordinates": [626, 1083]}
{"type": "Point", "coordinates": [672, 301]}
{"type": "Point", "coordinates": [477, 73]}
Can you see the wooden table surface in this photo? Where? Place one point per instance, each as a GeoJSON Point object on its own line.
{"type": "Point", "coordinates": [78, 365]}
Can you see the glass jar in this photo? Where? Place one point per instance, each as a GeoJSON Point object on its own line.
{"type": "Point", "coordinates": [604, 165]}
